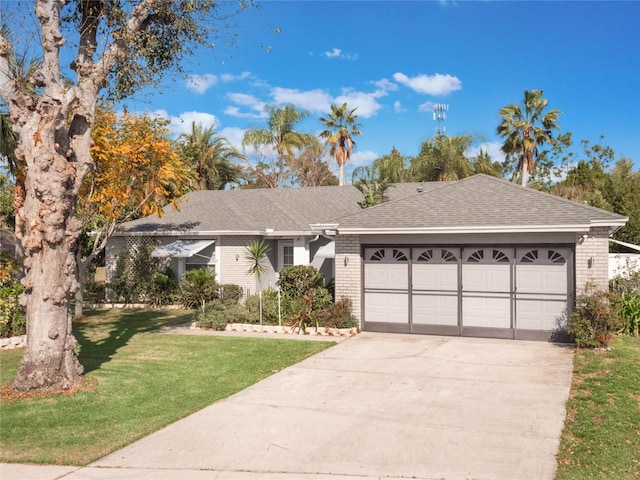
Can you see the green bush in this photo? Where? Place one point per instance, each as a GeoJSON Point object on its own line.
{"type": "Point", "coordinates": [12, 315]}
{"type": "Point", "coordinates": [218, 314]}
{"type": "Point", "coordinates": [229, 291]}
{"type": "Point", "coordinates": [628, 307]}
{"type": "Point", "coordinates": [593, 320]}
{"type": "Point", "coordinates": [295, 281]}
{"type": "Point", "coordinates": [164, 287]}
{"type": "Point", "coordinates": [269, 307]}
{"type": "Point", "coordinates": [133, 278]}
{"type": "Point", "coordinates": [198, 287]}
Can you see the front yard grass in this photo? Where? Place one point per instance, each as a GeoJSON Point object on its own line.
{"type": "Point", "coordinates": [601, 439]}
{"type": "Point", "coordinates": [138, 381]}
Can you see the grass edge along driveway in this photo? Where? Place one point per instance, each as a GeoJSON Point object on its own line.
{"type": "Point", "coordinates": [137, 382]}
{"type": "Point", "coordinates": [601, 438]}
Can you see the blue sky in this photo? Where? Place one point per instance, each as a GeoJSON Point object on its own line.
{"type": "Point", "coordinates": [395, 60]}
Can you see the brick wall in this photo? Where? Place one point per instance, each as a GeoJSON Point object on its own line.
{"type": "Point", "coordinates": [348, 280]}
{"type": "Point", "coordinates": [592, 259]}
{"type": "Point", "coordinates": [233, 265]}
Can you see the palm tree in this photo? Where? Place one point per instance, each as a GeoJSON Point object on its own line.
{"type": "Point", "coordinates": [340, 126]}
{"type": "Point", "coordinates": [442, 159]}
{"type": "Point", "coordinates": [212, 157]}
{"type": "Point", "coordinates": [280, 134]}
{"type": "Point", "coordinates": [526, 127]}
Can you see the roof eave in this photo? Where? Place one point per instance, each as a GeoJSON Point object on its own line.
{"type": "Point", "coordinates": [468, 230]}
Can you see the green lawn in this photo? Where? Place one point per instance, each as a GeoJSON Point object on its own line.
{"type": "Point", "coordinates": [143, 381]}
{"type": "Point", "coordinates": [601, 438]}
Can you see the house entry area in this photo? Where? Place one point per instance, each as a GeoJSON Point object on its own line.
{"type": "Point", "coordinates": [519, 292]}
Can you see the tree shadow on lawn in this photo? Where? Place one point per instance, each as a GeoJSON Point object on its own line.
{"type": "Point", "coordinates": [102, 333]}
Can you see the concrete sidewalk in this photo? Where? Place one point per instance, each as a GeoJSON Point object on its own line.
{"type": "Point", "coordinates": [375, 406]}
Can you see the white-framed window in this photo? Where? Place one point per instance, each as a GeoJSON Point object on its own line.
{"type": "Point", "coordinates": [204, 258]}
{"type": "Point", "coordinates": [285, 254]}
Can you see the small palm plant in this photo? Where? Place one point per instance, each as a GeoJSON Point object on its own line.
{"type": "Point", "coordinates": [256, 254]}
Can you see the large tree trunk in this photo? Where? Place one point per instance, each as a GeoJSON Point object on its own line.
{"type": "Point", "coordinates": [49, 233]}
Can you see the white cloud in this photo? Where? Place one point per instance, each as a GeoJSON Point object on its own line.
{"type": "Point", "coordinates": [426, 106]}
{"type": "Point", "coordinates": [386, 84]}
{"type": "Point", "coordinates": [437, 84]}
{"type": "Point", "coordinates": [182, 123]}
{"type": "Point", "coordinates": [337, 53]}
{"type": "Point", "coordinates": [234, 135]}
{"type": "Point", "coordinates": [255, 105]}
{"type": "Point", "coordinates": [228, 77]}
{"type": "Point", "coordinates": [366, 103]}
{"type": "Point", "coordinates": [201, 83]}
{"type": "Point", "coordinates": [492, 148]}
{"type": "Point", "coordinates": [398, 108]}
{"type": "Point", "coordinates": [333, 53]}
{"type": "Point", "coordinates": [312, 100]}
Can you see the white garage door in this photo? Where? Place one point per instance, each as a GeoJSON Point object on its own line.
{"type": "Point", "coordinates": [504, 292]}
{"type": "Point", "coordinates": [541, 288]}
{"type": "Point", "coordinates": [386, 285]}
{"type": "Point", "coordinates": [434, 273]}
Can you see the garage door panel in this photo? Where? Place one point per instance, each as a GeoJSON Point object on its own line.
{"type": "Point", "coordinates": [435, 309]}
{"type": "Point", "coordinates": [387, 307]}
{"type": "Point", "coordinates": [541, 279]}
{"type": "Point", "coordinates": [435, 277]}
{"type": "Point", "coordinates": [541, 313]}
{"type": "Point", "coordinates": [486, 278]}
{"type": "Point", "coordinates": [387, 277]}
{"type": "Point", "coordinates": [485, 310]}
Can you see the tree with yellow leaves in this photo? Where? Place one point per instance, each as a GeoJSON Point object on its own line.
{"type": "Point", "coordinates": [137, 172]}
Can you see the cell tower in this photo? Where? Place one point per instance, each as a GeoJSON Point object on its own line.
{"type": "Point", "coordinates": [440, 115]}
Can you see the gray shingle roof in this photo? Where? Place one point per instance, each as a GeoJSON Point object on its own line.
{"type": "Point", "coordinates": [477, 202]}
{"type": "Point", "coordinates": [283, 210]}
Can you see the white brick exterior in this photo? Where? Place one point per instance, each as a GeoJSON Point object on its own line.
{"type": "Point", "coordinates": [592, 260]}
{"type": "Point", "coordinates": [348, 265]}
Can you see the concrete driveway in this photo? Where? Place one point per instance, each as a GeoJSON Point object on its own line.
{"type": "Point", "coordinates": [376, 406]}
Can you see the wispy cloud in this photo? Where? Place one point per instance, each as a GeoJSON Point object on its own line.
{"type": "Point", "coordinates": [312, 100]}
{"type": "Point", "coordinates": [398, 108]}
{"type": "Point", "coordinates": [256, 106]}
{"type": "Point", "coordinates": [182, 123]}
{"type": "Point", "coordinates": [426, 106]}
{"type": "Point", "coordinates": [386, 84]}
{"type": "Point", "coordinates": [201, 83]}
{"type": "Point", "coordinates": [366, 103]}
{"type": "Point", "coordinates": [338, 53]}
{"type": "Point", "coordinates": [437, 84]}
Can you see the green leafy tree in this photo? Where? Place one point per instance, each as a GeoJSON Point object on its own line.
{"type": "Point", "coordinates": [368, 180]}
{"type": "Point", "coordinates": [622, 191]}
{"type": "Point", "coordinates": [525, 128]}
{"type": "Point", "coordinates": [340, 126]}
{"type": "Point", "coordinates": [310, 170]}
{"type": "Point", "coordinates": [115, 48]}
{"type": "Point", "coordinates": [280, 134]}
{"type": "Point", "coordinates": [212, 157]}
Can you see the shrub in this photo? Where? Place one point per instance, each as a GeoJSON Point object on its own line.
{"type": "Point", "coordinates": [231, 292]}
{"type": "Point", "coordinates": [269, 307]}
{"type": "Point", "coordinates": [628, 307]}
{"type": "Point", "coordinates": [12, 315]}
{"type": "Point", "coordinates": [593, 320]}
{"type": "Point", "coordinates": [217, 314]}
{"type": "Point", "coordinates": [198, 287]}
{"type": "Point", "coordinates": [296, 281]}
{"type": "Point", "coordinates": [132, 280]}
{"type": "Point", "coordinates": [336, 315]}
{"type": "Point", "coordinates": [12, 318]}
{"type": "Point", "coordinates": [164, 287]}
